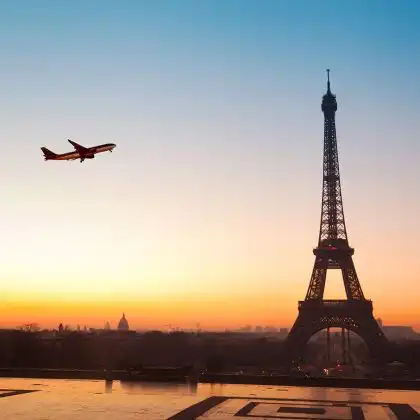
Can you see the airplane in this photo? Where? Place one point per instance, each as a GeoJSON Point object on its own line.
{"type": "Point", "coordinates": [80, 152]}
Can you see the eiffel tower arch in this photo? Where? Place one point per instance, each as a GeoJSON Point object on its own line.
{"type": "Point", "coordinates": [333, 252]}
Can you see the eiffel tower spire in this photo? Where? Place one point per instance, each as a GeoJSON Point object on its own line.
{"type": "Point", "coordinates": [333, 225]}
{"type": "Point", "coordinates": [328, 81]}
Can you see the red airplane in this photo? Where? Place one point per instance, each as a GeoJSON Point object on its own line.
{"type": "Point", "coordinates": [81, 152]}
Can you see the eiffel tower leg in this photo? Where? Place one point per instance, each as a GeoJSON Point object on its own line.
{"type": "Point", "coordinates": [328, 347]}
{"type": "Point", "coordinates": [319, 275]}
{"type": "Point", "coordinates": [374, 337]}
{"type": "Point", "coordinates": [351, 281]}
{"type": "Point", "coordinates": [296, 340]}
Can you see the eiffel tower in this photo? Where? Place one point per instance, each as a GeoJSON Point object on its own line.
{"type": "Point", "coordinates": [333, 252]}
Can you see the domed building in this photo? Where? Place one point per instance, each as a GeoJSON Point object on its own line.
{"type": "Point", "coordinates": [123, 324]}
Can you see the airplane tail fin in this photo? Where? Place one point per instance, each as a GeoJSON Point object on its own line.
{"type": "Point", "coordinates": [48, 154]}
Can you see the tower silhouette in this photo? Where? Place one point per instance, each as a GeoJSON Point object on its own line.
{"type": "Point", "coordinates": [333, 252]}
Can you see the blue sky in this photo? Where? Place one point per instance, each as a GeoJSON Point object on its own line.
{"type": "Point", "coordinates": [215, 108]}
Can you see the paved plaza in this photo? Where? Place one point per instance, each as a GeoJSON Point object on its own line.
{"type": "Point", "coordinates": [284, 408]}
{"type": "Point", "coordinates": [93, 400]}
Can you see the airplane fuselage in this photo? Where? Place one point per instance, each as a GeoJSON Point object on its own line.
{"type": "Point", "coordinates": [81, 152]}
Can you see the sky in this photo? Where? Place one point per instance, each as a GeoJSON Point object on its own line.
{"type": "Point", "coordinates": [208, 209]}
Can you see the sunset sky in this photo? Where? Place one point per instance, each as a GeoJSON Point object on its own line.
{"type": "Point", "coordinates": [209, 207]}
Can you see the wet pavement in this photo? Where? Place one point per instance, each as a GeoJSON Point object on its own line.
{"type": "Point", "coordinates": [93, 400]}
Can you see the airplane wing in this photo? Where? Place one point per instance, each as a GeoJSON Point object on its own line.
{"type": "Point", "coordinates": [78, 147]}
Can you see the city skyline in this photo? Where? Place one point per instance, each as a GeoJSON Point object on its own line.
{"type": "Point", "coordinates": [113, 324]}
{"type": "Point", "coordinates": [212, 198]}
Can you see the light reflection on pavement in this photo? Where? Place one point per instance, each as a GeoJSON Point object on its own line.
{"type": "Point", "coordinates": [94, 400]}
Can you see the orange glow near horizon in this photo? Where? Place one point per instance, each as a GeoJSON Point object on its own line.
{"type": "Point", "coordinates": [223, 280]}
{"type": "Point", "coordinates": [211, 312]}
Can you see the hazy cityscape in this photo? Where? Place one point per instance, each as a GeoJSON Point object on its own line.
{"type": "Point", "coordinates": [250, 349]}
{"type": "Point", "coordinates": [393, 332]}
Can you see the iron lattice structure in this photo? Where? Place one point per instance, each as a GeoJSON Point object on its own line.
{"type": "Point", "coordinates": [333, 249]}
{"type": "Point", "coordinates": [333, 252]}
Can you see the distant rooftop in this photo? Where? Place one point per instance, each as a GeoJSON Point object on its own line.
{"type": "Point", "coordinates": [123, 324]}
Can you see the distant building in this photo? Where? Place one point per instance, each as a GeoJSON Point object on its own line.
{"type": "Point", "coordinates": [123, 324]}
{"type": "Point", "coordinates": [246, 328]}
{"type": "Point", "coordinates": [270, 329]}
{"type": "Point", "coordinates": [400, 332]}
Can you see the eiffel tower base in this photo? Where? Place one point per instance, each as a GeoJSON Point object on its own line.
{"type": "Point", "coordinates": [354, 315]}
